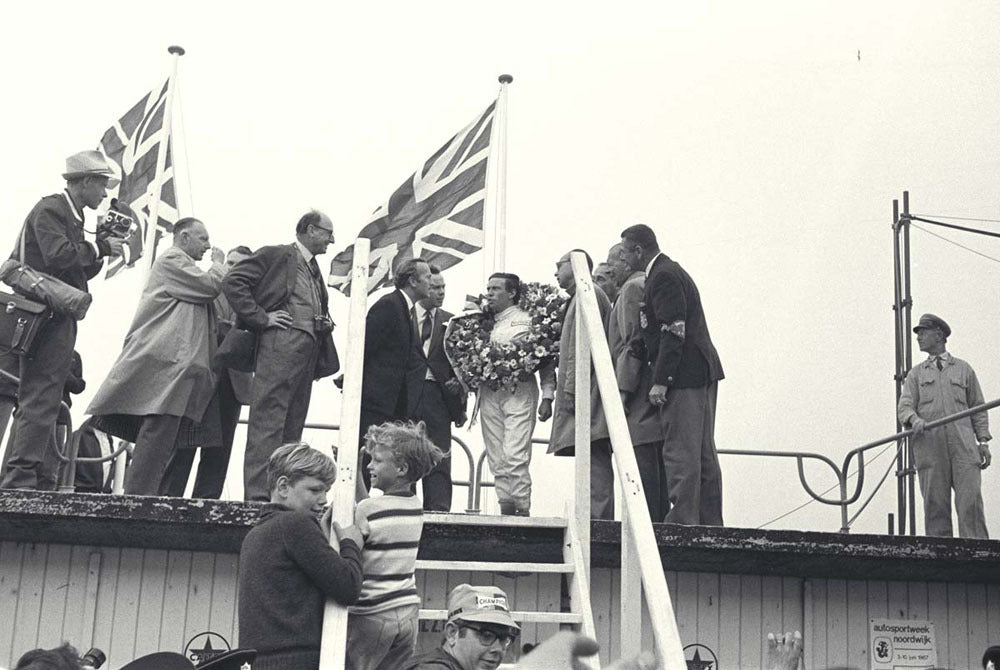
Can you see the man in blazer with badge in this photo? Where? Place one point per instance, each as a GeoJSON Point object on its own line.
{"type": "Point", "coordinates": [433, 392]}
{"type": "Point", "coordinates": [56, 243]}
{"type": "Point", "coordinates": [390, 334]}
{"type": "Point", "coordinates": [279, 294]}
{"type": "Point", "coordinates": [676, 343]}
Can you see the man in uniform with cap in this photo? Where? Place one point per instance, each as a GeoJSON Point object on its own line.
{"type": "Point", "coordinates": [56, 243]}
{"type": "Point", "coordinates": [951, 456]}
{"type": "Point", "coordinates": [478, 632]}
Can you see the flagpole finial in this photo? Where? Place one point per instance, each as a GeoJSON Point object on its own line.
{"type": "Point", "coordinates": [174, 49]}
{"type": "Point", "coordinates": [505, 79]}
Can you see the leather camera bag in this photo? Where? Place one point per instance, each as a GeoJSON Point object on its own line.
{"type": "Point", "coordinates": [55, 293]}
{"type": "Point", "coordinates": [21, 320]}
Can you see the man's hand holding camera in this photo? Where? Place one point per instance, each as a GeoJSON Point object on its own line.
{"type": "Point", "coordinates": [114, 229]}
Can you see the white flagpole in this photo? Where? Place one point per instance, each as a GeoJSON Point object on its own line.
{"type": "Point", "coordinates": [495, 224]}
{"type": "Point", "coordinates": [161, 163]}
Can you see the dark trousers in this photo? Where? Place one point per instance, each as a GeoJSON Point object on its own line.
{"type": "Point", "coordinates": [43, 377]}
{"type": "Point", "coordinates": [154, 449]}
{"type": "Point", "coordinates": [282, 386]}
{"type": "Point", "coordinates": [47, 474]}
{"type": "Point", "coordinates": [649, 457]}
{"type": "Point", "coordinates": [602, 480]}
{"type": "Point", "coordinates": [694, 480]}
{"type": "Point", "coordinates": [432, 410]}
{"type": "Point", "coordinates": [214, 461]}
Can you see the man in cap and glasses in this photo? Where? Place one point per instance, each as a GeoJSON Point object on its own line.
{"type": "Point", "coordinates": [951, 456]}
{"type": "Point", "coordinates": [478, 632]}
{"type": "Point", "coordinates": [56, 243]}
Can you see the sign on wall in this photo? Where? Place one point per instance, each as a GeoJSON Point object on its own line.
{"type": "Point", "coordinates": [901, 644]}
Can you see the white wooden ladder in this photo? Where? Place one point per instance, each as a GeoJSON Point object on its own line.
{"type": "Point", "coordinates": [573, 566]}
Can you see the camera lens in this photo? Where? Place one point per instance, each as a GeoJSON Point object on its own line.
{"type": "Point", "coordinates": [94, 658]}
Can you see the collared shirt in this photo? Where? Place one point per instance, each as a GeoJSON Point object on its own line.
{"type": "Point", "coordinates": [934, 394]}
{"type": "Point", "coordinates": [422, 313]}
{"type": "Point", "coordinates": [88, 237]}
{"type": "Point", "coordinates": [649, 266]}
{"type": "Point", "coordinates": [306, 254]}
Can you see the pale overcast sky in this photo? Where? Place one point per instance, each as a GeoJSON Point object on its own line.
{"type": "Point", "coordinates": [764, 142]}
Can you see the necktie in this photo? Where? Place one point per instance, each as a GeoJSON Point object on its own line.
{"type": "Point", "coordinates": [317, 282]}
{"type": "Point", "coordinates": [938, 362]}
{"type": "Point", "coordinates": [425, 328]}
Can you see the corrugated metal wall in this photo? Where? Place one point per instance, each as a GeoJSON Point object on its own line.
{"type": "Point", "coordinates": [131, 602]}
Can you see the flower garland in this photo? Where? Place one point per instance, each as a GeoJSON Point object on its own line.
{"type": "Point", "coordinates": [479, 362]}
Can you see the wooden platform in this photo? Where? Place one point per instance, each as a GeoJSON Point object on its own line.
{"type": "Point", "coordinates": [133, 575]}
{"type": "Point", "coordinates": [219, 527]}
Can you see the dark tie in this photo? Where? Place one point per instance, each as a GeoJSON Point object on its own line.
{"type": "Point", "coordinates": [425, 328]}
{"type": "Point", "coordinates": [314, 269]}
{"type": "Point", "coordinates": [938, 361]}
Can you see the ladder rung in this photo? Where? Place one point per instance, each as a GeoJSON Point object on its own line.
{"type": "Point", "coordinates": [520, 617]}
{"type": "Point", "coordinates": [497, 520]}
{"type": "Point", "coordinates": [494, 566]}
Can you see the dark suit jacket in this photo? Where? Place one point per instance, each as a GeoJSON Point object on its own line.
{"type": "Point", "coordinates": [389, 336]}
{"type": "Point", "coordinates": [54, 243]}
{"type": "Point", "coordinates": [439, 366]}
{"type": "Point", "coordinates": [262, 283]}
{"type": "Point", "coordinates": [674, 332]}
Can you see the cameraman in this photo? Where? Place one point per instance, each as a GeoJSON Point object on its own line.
{"type": "Point", "coordinates": [56, 243]}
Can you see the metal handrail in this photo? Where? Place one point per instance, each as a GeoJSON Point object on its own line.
{"type": "Point", "coordinates": [468, 483]}
{"type": "Point", "coordinates": [842, 472]}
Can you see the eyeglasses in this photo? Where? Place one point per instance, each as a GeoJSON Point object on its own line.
{"type": "Point", "coordinates": [487, 636]}
{"type": "Point", "coordinates": [329, 232]}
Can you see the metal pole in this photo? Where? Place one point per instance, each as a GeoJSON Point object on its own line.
{"type": "Point", "coordinates": [897, 314]}
{"type": "Point", "coordinates": [149, 240]}
{"type": "Point", "coordinates": [910, 470]}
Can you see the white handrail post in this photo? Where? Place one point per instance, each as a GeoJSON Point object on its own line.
{"type": "Point", "coordinates": [581, 416]}
{"type": "Point", "coordinates": [118, 483]}
{"type": "Point", "coordinates": [661, 610]}
{"type": "Point", "coordinates": [631, 593]}
{"type": "Point", "coordinates": [334, 643]}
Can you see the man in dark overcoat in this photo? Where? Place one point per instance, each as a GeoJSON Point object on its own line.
{"type": "Point", "coordinates": [686, 370]}
{"type": "Point", "coordinates": [434, 394]}
{"type": "Point", "coordinates": [390, 334]}
{"type": "Point", "coordinates": [56, 244]}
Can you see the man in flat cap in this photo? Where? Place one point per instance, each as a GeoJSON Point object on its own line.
{"type": "Point", "coordinates": [56, 243]}
{"type": "Point", "coordinates": [478, 632]}
{"type": "Point", "coordinates": [951, 456]}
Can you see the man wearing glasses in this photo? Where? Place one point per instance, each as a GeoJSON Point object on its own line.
{"type": "Point", "coordinates": [478, 632]}
{"type": "Point", "coordinates": [279, 294]}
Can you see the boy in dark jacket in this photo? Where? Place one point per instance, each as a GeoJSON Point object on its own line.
{"type": "Point", "coordinates": [288, 568]}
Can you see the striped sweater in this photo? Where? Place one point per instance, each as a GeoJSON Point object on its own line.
{"type": "Point", "coordinates": [391, 526]}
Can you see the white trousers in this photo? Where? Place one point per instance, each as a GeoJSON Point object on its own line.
{"type": "Point", "coordinates": [508, 421]}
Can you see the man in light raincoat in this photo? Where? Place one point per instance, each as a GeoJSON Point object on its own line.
{"type": "Point", "coordinates": [159, 389]}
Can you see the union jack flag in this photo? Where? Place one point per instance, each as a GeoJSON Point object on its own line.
{"type": "Point", "coordinates": [131, 146]}
{"type": "Point", "coordinates": [436, 214]}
